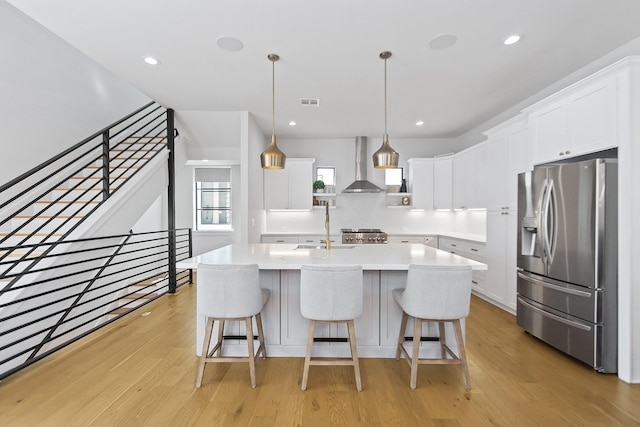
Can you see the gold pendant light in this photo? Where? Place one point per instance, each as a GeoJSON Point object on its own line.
{"type": "Point", "coordinates": [272, 157]}
{"type": "Point", "coordinates": [385, 157]}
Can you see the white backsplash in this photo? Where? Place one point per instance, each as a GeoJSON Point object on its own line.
{"type": "Point", "coordinates": [370, 211]}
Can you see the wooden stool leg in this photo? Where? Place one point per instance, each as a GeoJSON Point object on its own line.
{"type": "Point", "coordinates": [462, 353]}
{"type": "Point", "coordinates": [403, 326]}
{"type": "Point", "coordinates": [307, 358]}
{"type": "Point", "coordinates": [220, 337]}
{"type": "Point", "coordinates": [205, 349]}
{"type": "Point", "coordinates": [252, 364]}
{"type": "Point", "coordinates": [354, 353]}
{"type": "Point", "coordinates": [417, 333]}
{"type": "Point", "coordinates": [262, 347]}
{"type": "Point", "coordinates": [443, 340]}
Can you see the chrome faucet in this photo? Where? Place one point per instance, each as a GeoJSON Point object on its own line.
{"type": "Point", "coordinates": [327, 226]}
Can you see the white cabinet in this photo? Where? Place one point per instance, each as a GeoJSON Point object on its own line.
{"type": "Point", "coordinates": [507, 156]}
{"type": "Point", "coordinates": [578, 120]}
{"type": "Point", "coordinates": [421, 183]}
{"type": "Point", "coordinates": [468, 249]}
{"type": "Point", "coordinates": [469, 178]}
{"type": "Point", "coordinates": [291, 187]}
{"type": "Point", "coordinates": [295, 328]}
{"type": "Point", "coordinates": [500, 285]}
{"type": "Point", "coordinates": [280, 239]}
{"type": "Point", "coordinates": [442, 182]}
{"type": "Point", "coordinates": [430, 240]}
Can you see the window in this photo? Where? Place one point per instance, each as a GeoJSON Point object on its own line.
{"type": "Point", "coordinates": [326, 175]}
{"type": "Point", "coordinates": [393, 176]}
{"type": "Point", "coordinates": [213, 198]}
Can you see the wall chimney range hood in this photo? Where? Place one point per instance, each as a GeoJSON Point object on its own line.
{"type": "Point", "coordinates": [361, 185]}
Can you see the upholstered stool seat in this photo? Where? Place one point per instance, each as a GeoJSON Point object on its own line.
{"type": "Point", "coordinates": [230, 292]}
{"type": "Point", "coordinates": [435, 294]}
{"type": "Point", "coordinates": [331, 294]}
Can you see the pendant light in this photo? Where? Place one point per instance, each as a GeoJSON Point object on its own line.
{"type": "Point", "coordinates": [272, 157]}
{"type": "Point", "coordinates": [385, 157]}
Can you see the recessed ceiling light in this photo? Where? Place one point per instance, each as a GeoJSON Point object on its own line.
{"type": "Point", "coordinates": [292, 123]}
{"type": "Point", "coordinates": [443, 41]}
{"type": "Point", "coordinates": [230, 44]}
{"type": "Point", "coordinates": [512, 40]}
{"type": "Point", "coordinates": [151, 60]}
{"type": "Point", "coordinates": [419, 123]}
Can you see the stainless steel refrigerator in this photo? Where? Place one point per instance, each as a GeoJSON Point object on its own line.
{"type": "Point", "coordinates": [568, 258]}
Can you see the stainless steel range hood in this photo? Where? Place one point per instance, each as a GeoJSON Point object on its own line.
{"type": "Point", "coordinates": [361, 185]}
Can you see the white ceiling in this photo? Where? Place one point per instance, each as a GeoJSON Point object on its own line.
{"type": "Point", "coordinates": [329, 50]}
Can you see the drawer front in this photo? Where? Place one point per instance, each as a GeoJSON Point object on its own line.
{"type": "Point", "coordinates": [279, 239]}
{"type": "Point", "coordinates": [472, 250]}
{"type": "Point", "coordinates": [576, 301]}
{"type": "Point", "coordinates": [570, 335]}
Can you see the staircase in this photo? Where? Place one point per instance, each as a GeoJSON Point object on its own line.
{"type": "Point", "coordinates": [65, 268]}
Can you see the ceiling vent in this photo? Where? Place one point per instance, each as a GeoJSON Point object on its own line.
{"type": "Point", "coordinates": [310, 102]}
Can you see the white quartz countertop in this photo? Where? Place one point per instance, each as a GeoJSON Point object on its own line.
{"type": "Point", "coordinates": [281, 256]}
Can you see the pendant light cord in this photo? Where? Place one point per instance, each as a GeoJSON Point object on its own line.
{"type": "Point", "coordinates": [273, 97]}
{"type": "Point", "coordinates": [385, 96]}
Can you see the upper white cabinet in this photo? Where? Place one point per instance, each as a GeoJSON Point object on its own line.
{"type": "Point", "coordinates": [442, 182]}
{"type": "Point", "coordinates": [578, 120]}
{"type": "Point", "coordinates": [507, 156]}
{"type": "Point", "coordinates": [291, 187]}
{"type": "Point", "coordinates": [469, 178]}
{"type": "Point", "coordinates": [421, 183]}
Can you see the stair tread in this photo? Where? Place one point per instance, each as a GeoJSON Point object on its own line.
{"type": "Point", "coordinates": [139, 295]}
{"type": "Point", "coordinates": [121, 310]}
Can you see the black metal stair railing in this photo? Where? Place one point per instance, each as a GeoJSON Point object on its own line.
{"type": "Point", "coordinates": [55, 289]}
{"type": "Point", "coordinates": [49, 201]}
{"type": "Point", "coordinates": [80, 286]}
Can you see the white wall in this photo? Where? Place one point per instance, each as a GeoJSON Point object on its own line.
{"type": "Point", "coordinates": [52, 96]}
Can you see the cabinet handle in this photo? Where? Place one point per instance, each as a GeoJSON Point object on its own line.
{"type": "Point", "coordinates": [474, 249]}
{"type": "Point", "coordinates": [404, 241]}
{"type": "Point", "coordinates": [279, 241]}
{"type": "Point", "coordinates": [454, 245]}
{"type": "Point", "coordinates": [474, 282]}
{"type": "Point", "coordinates": [308, 241]}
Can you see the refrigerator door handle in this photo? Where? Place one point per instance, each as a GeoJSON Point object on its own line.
{"type": "Point", "coordinates": [554, 287]}
{"type": "Point", "coordinates": [554, 317]}
{"type": "Point", "coordinates": [542, 222]}
{"type": "Point", "coordinates": [551, 224]}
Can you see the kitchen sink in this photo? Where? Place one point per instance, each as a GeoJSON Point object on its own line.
{"type": "Point", "coordinates": [324, 247]}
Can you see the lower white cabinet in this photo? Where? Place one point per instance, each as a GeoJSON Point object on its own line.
{"type": "Point", "coordinates": [500, 286]}
{"type": "Point", "coordinates": [295, 328]}
{"type": "Point", "coordinates": [429, 240]}
{"type": "Point", "coordinates": [468, 249]}
{"type": "Point", "coordinates": [280, 239]}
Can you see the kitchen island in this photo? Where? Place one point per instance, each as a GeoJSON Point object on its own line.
{"type": "Point", "coordinates": [385, 268]}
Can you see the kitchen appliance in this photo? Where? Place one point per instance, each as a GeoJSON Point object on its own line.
{"type": "Point", "coordinates": [567, 258]}
{"type": "Point", "coordinates": [361, 185]}
{"type": "Point", "coordinates": [363, 235]}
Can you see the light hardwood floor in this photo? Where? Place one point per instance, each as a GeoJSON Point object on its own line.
{"type": "Point", "coordinates": [141, 371]}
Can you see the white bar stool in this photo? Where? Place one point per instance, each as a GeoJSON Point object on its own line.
{"type": "Point", "coordinates": [230, 292]}
{"type": "Point", "coordinates": [332, 294]}
{"type": "Point", "coordinates": [435, 294]}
